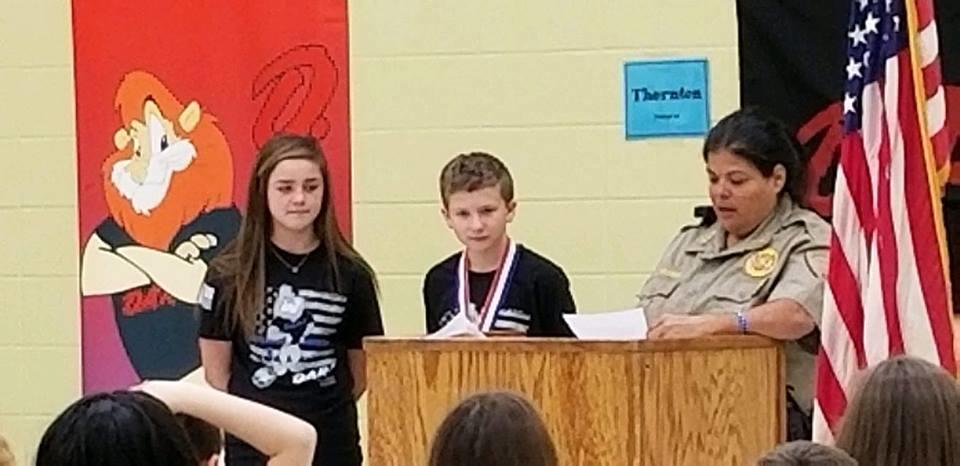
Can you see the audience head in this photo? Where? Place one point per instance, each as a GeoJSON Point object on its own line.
{"type": "Point", "coordinates": [906, 412]}
{"type": "Point", "coordinates": [204, 437]}
{"type": "Point", "coordinates": [124, 428]}
{"type": "Point", "coordinates": [805, 453]}
{"type": "Point", "coordinates": [493, 429]}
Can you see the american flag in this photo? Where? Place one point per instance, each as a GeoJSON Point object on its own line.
{"type": "Point", "coordinates": [887, 282]}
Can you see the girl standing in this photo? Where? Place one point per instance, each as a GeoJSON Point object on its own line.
{"type": "Point", "coordinates": [286, 305]}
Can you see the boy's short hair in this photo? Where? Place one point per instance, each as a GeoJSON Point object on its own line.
{"type": "Point", "coordinates": [805, 453]}
{"type": "Point", "coordinates": [472, 171]}
{"type": "Point", "coordinates": [204, 437]}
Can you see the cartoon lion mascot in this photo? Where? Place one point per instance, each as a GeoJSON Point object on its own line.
{"type": "Point", "coordinates": [168, 189]}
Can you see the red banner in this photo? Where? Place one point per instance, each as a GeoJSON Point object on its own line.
{"type": "Point", "coordinates": [173, 99]}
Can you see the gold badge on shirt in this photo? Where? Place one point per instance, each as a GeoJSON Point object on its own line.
{"type": "Point", "coordinates": [761, 263]}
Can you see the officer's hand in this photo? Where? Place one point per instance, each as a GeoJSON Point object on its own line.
{"type": "Point", "coordinates": [675, 326]}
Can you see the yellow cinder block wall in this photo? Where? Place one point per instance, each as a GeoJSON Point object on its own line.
{"type": "Point", "coordinates": [537, 82]}
{"type": "Point", "coordinates": [39, 314]}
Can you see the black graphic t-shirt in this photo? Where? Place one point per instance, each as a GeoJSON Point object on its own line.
{"type": "Point", "coordinates": [158, 331]}
{"type": "Point", "coordinates": [537, 296]}
{"type": "Point", "coordinates": [296, 359]}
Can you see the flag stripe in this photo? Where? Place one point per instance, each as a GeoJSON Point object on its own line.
{"type": "Point", "coordinates": [843, 352]}
{"type": "Point", "coordinates": [891, 145]}
{"type": "Point", "coordinates": [859, 205]}
{"type": "Point", "coordinates": [842, 280]}
{"type": "Point", "coordinates": [832, 399]}
{"type": "Point", "coordinates": [931, 79]}
{"type": "Point", "coordinates": [940, 142]}
{"type": "Point", "coordinates": [936, 111]}
{"type": "Point", "coordinates": [929, 47]}
{"type": "Point", "coordinates": [924, 12]}
{"type": "Point", "coordinates": [821, 425]}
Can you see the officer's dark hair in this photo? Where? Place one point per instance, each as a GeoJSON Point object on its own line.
{"type": "Point", "coordinates": [763, 141]}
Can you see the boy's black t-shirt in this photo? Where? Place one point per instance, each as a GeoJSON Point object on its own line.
{"type": "Point", "coordinates": [296, 361]}
{"type": "Point", "coordinates": [537, 297]}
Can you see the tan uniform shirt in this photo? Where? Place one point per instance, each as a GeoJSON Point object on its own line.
{"type": "Point", "coordinates": [784, 258]}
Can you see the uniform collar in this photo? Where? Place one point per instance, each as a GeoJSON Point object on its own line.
{"type": "Point", "coordinates": [709, 244]}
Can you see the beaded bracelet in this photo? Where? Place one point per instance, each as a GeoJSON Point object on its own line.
{"type": "Point", "coordinates": [741, 322]}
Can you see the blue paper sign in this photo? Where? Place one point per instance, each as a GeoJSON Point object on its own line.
{"type": "Point", "coordinates": [666, 98]}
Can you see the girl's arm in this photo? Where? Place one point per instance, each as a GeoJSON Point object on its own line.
{"type": "Point", "coordinates": [285, 439]}
{"type": "Point", "coordinates": [215, 356]}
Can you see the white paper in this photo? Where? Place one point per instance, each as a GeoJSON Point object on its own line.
{"type": "Point", "coordinates": [459, 326]}
{"type": "Point", "coordinates": [630, 324]}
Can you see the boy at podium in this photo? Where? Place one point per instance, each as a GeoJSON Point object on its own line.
{"type": "Point", "coordinates": [494, 285]}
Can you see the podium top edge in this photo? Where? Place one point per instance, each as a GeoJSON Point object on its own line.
{"type": "Point", "coordinates": [560, 345]}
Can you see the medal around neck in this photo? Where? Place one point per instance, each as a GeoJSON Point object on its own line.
{"type": "Point", "coordinates": [462, 324]}
{"type": "Point", "coordinates": [486, 314]}
{"type": "Point", "coordinates": [459, 326]}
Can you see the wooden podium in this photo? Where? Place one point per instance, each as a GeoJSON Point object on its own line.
{"type": "Point", "coordinates": [712, 401]}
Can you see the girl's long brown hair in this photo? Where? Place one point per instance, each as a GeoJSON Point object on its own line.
{"type": "Point", "coordinates": [906, 412]}
{"type": "Point", "coordinates": [241, 267]}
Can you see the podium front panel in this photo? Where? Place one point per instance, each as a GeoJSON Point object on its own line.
{"type": "Point", "coordinates": [715, 401]}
